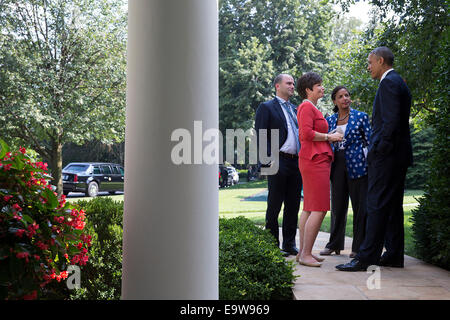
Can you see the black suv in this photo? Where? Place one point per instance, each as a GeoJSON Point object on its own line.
{"type": "Point", "coordinates": [92, 177]}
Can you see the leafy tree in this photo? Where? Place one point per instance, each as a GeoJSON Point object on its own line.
{"type": "Point", "coordinates": [62, 74]}
{"type": "Point", "coordinates": [348, 67]}
{"type": "Point", "coordinates": [245, 83]}
{"type": "Point", "coordinates": [414, 30]}
{"type": "Point", "coordinates": [259, 39]}
{"type": "Point", "coordinates": [345, 29]}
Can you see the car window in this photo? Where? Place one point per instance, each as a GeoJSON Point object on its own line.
{"type": "Point", "coordinates": [115, 170]}
{"type": "Point", "coordinates": [106, 169]}
{"type": "Point", "coordinates": [122, 172]}
{"type": "Point", "coordinates": [96, 170]}
{"type": "Point", "coordinates": [76, 168]}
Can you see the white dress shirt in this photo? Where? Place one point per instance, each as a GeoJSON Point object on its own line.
{"type": "Point", "coordinates": [385, 74]}
{"type": "Point", "coordinates": [289, 146]}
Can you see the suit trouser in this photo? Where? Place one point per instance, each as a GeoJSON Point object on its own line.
{"type": "Point", "coordinates": [384, 211]}
{"type": "Point", "coordinates": [284, 187]}
{"type": "Point", "coordinates": [341, 188]}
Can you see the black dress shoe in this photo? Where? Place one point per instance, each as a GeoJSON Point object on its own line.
{"type": "Point", "coordinates": [354, 265]}
{"type": "Point", "coordinates": [291, 251]}
{"type": "Point", "coordinates": [388, 263]}
{"type": "Point", "coordinates": [284, 253]}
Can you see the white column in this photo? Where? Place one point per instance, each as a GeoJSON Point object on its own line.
{"type": "Point", "coordinates": [170, 244]}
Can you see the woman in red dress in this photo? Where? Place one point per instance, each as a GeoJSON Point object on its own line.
{"type": "Point", "coordinates": [315, 159]}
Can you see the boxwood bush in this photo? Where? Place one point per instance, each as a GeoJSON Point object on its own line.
{"type": "Point", "coordinates": [101, 278]}
{"type": "Point", "coordinates": [431, 219]}
{"type": "Point", "coordinates": [251, 266]}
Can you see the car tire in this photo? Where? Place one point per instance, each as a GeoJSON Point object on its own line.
{"type": "Point", "coordinates": [92, 189]}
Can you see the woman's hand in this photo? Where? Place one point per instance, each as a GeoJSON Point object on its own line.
{"type": "Point", "coordinates": [335, 137]}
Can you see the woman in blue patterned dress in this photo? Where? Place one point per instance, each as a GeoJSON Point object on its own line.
{"type": "Point", "coordinates": [348, 171]}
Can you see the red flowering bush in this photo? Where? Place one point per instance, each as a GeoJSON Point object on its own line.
{"type": "Point", "coordinates": [40, 234]}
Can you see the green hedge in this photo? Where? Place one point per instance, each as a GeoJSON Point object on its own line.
{"type": "Point", "coordinates": [251, 266]}
{"type": "Point", "coordinates": [432, 217]}
{"type": "Point", "coordinates": [101, 278]}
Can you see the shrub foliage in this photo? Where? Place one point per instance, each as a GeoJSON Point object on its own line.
{"type": "Point", "coordinates": [432, 217]}
{"type": "Point", "coordinates": [40, 234]}
{"type": "Point", "coordinates": [101, 278]}
{"type": "Point", "coordinates": [251, 266]}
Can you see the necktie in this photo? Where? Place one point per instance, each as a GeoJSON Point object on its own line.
{"type": "Point", "coordinates": [294, 124]}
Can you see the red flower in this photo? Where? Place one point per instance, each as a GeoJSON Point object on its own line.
{"type": "Point", "coordinates": [79, 225]}
{"type": "Point", "coordinates": [31, 296]}
{"type": "Point", "coordinates": [41, 245]}
{"type": "Point", "coordinates": [59, 219]}
{"type": "Point", "coordinates": [86, 239]}
{"type": "Point", "coordinates": [7, 198]}
{"type": "Point", "coordinates": [64, 274]}
{"type": "Point", "coordinates": [20, 232]}
{"type": "Point", "coordinates": [16, 216]}
{"type": "Point", "coordinates": [23, 255]}
{"type": "Point", "coordinates": [32, 228]}
{"type": "Point", "coordinates": [16, 207]}
{"type": "Point", "coordinates": [62, 201]}
{"type": "Point", "coordinates": [41, 165]}
{"type": "Point", "coordinates": [23, 150]}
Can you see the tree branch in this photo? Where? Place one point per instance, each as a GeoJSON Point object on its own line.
{"type": "Point", "coordinates": [419, 107]}
{"type": "Point", "coordinates": [29, 137]}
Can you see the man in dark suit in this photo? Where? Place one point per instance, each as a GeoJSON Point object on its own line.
{"type": "Point", "coordinates": [286, 184]}
{"type": "Point", "coordinates": [389, 156]}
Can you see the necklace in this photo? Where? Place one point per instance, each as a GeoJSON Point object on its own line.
{"type": "Point", "coordinates": [340, 119]}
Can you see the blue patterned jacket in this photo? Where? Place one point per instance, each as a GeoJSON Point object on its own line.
{"type": "Point", "coordinates": [356, 138]}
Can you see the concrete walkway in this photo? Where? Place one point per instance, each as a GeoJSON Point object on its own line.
{"type": "Point", "coordinates": [416, 281]}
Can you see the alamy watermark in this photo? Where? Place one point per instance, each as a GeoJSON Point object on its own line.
{"type": "Point", "coordinates": [74, 279]}
{"type": "Point", "coordinates": [206, 147]}
{"type": "Point", "coordinates": [374, 281]}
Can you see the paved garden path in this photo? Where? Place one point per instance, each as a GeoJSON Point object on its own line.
{"type": "Point", "coordinates": [417, 280]}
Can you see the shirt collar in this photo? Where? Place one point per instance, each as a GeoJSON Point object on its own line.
{"type": "Point", "coordinates": [310, 102]}
{"type": "Point", "coordinates": [281, 100]}
{"type": "Point", "coordinates": [384, 74]}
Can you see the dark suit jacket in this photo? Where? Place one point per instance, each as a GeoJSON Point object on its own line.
{"type": "Point", "coordinates": [269, 115]}
{"type": "Point", "coordinates": [390, 120]}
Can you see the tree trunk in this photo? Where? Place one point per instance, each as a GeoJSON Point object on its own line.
{"type": "Point", "coordinates": [56, 161]}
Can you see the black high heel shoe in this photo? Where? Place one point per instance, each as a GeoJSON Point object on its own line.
{"type": "Point", "coordinates": [327, 252]}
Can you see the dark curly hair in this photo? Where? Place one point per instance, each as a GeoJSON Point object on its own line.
{"type": "Point", "coordinates": [333, 96]}
{"type": "Point", "coordinates": [307, 81]}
